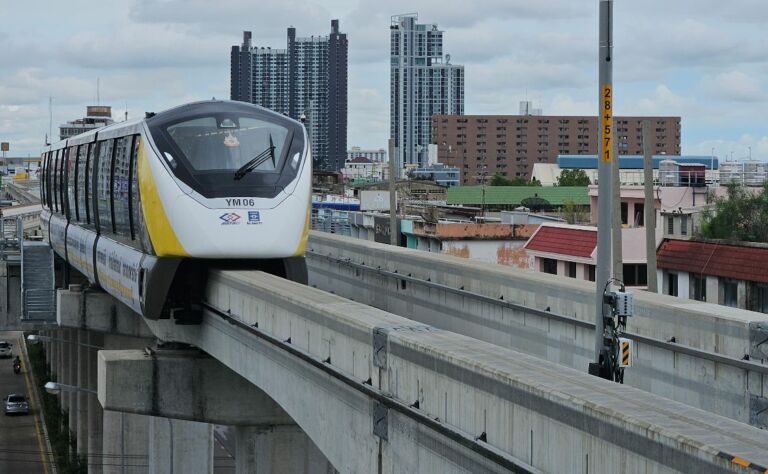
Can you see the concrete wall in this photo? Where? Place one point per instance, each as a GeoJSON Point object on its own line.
{"type": "Point", "coordinates": [716, 387]}
{"type": "Point", "coordinates": [523, 408]}
{"type": "Point", "coordinates": [10, 296]}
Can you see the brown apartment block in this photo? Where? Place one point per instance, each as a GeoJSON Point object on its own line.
{"type": "Point", "coordinates": [482, 145]}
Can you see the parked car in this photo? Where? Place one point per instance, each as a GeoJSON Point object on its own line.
{"type": "Point", "coordinates": [6, 350]}
{"type": "Point", "coordinates": [16, 404]}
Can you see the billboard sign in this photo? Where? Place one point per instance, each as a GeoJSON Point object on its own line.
{"type": "Point", "coordinates": [374, 200]}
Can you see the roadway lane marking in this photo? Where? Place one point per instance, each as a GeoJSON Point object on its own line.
{"type": "Point", "coordinates": [33, 393]}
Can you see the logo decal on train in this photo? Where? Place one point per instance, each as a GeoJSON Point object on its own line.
{"type": "Point", "coordinates": [230, 218]}
{"type": "Point", "coordinates": [254, 217]}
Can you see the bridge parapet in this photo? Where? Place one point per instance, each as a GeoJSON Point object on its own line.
{"type": "Point", "coordinates": [439, 401]}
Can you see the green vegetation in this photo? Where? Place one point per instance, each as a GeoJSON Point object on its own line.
{"type": "Point", "coordinates": [741, 215]}
{"type": "Point", "coordinates": [499, 180]}
{"type": "Point", "coordinates": [63, 441]}
{"type": "Point", "coordinates": [573, 177]}
{"type": "Point", "coordinates": [573, 213]}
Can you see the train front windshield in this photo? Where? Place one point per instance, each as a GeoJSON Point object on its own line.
{"type": "Point", "coordinates": [230, 149]}
{"type": "Point", "coordinates": [228, 143]}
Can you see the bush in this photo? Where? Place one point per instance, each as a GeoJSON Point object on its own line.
{"type": "Point", "coordinates": [63, 442]}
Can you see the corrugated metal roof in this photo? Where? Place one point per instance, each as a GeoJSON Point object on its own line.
{"type": "Point", "coordinates": [707, 258]}
{"type": "Point", "coordinates": [630, 162]}
{"type": "Point", "coordinates": [514, 195]}
{"type": "Point", "coordinates": [564, 241]}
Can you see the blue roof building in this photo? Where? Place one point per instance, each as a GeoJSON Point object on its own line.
{"type": "Point", "coordinates": [633, 162]}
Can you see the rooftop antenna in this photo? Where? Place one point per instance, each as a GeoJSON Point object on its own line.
{"type": "Point", "coordinates": [126, 110]}
{"type": "Point", "coordinates": [50, 117]}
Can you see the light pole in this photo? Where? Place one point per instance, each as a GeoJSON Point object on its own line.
{"type": "Point", "coordinates": [56, 388]}
{"type": "Point", "coordinates": [37, 338]}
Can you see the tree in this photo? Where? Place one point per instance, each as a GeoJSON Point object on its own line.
{"type": "Point", "coordinates": [740, 215]}
{"type": "Point", "coordinates": [499, 180]}
{"type": "Point", "coordinates": [573, 177]}
{"type": "Point", "coordinates": [573, 213]}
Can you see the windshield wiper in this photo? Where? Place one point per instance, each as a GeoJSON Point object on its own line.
{"type": "Point", "coordinates": [257, 160]}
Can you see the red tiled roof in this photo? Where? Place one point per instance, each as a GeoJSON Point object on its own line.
{"type": "Point", "coordinates": [564, 241]}
{"type": "Point", "coordinates": [359, 159]}
{"type": "Point", "coordinates": [729, 261]}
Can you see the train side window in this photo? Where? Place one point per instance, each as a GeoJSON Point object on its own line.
{"type": "Point", "coordinates": [42, 179]}
{"type": "Point", "coordinates": [55, 181]}
{"type": "Point", "coordinates": [103, 186]}
{"type": "Point", "coordinates": [81, 190]}
{"type": "Point", "coordinates": [71, 174]}
{"type": "Point", "coordinates": [90, 212]}
{"type": "Point", "coordinates": [62, 181]}
{"type": "Point", "coordinates": [133, 188]}
{"type": "Point", "coordinates": [48, 179]}
{"type": "Point", "coordinates": [120, 186]}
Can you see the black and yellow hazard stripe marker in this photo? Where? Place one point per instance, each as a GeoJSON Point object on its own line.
{"type": "Point", "coordinates": [743, 462]}
{"type": "Point", "coordinates": [625, 353]}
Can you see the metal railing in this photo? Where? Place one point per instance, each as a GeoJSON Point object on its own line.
{"type": "Point", "coordinates": [38, 305]}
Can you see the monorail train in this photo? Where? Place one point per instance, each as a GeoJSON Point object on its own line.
{"type": "Point", "coordinates": [142, 208]}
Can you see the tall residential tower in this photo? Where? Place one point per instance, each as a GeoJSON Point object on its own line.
{"type": "Point", "coordinates": [307, 79]}
{"type": "Point", "coordinates": [423, 83]}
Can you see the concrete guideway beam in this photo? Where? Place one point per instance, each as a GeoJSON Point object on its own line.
{"type": "Point", "coordinates": [552, 318]}
{"type": "Point", "coordinates": [691, 322]}
{"type": "Point", "coordinates": [182, 384]}
{"type": "Point", "coordinates": [435, 401]}
{"type": "Point", "coordinates": [98, 311]}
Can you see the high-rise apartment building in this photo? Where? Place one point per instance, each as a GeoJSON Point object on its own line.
{"type": "Point", "coordinates": [423, 83]}
{"type": "Point", "coordinates": [306, 80]}
{"type": "Point", "coordinates": [483, 145]}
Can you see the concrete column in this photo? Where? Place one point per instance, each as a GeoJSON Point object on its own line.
{"type": "Point", "coordinates": [59, 355]}
{"type": "Point", "coordinates": [713, 287]}
{"type": "Point", "coordinates": [82, 397]}
{"type": "Point", "coordinates": [66, 356]}
{"type": "Point", "coordinates": [95, 415]}
{"type": "Point", "coordinates": [683, 285]}
{"type": "Point", "coordinates": [72, 373]}
{"type": "Point", "coordinates": [179, 446]}
{"type": "Point", "coordinates": [125, 437]}
{"type": "Point", "coordinates": [125, 442]}
{"type": "Point", "coordinates": [47, 347]}
{"type": "Point", "coordinates": [245, 449]}
{"type": "Point", "coordinates": [741, 294]}
{"type": "Point", "coordinates": [272, 449]}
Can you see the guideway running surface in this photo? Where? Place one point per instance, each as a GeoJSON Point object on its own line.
{"type": "Point", "coordinates": [517, 405]}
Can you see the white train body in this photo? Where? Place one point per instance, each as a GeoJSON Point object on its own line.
{"type": "Point", "coordinates": [142, 207]}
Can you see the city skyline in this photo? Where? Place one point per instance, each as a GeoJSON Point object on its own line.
{"type": "Point", "coordinates": [305, 81]}
{"type": "Point", "coordinates": [701, 61]}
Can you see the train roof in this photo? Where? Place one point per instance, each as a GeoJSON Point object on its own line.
{"type": "Point", "coordinates": [132, 126]}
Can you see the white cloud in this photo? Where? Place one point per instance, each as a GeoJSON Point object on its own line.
{"type": "Point", "coordinates": [733, 86]}
{"type": "Point", "coordinates": [701, 59]}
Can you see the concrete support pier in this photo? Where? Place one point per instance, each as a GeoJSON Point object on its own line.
{"type": "Point", "coordinates": [81, 418]}
{"type": "Point", "coordinates": [95, 412]}
{"type": "Point", "coordinates": [272, 449]}
{"type": "Point", "coordinates": [125, 437]}
{"type": "Point", "coordinates": [125, 443]}
{"type": "Point", "coordinates": [179, 446]}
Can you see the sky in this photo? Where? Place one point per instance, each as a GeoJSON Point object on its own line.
{"type": "Point", "coordinates": [703, 60]}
